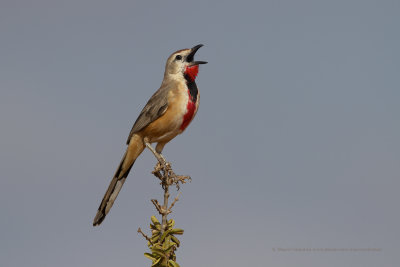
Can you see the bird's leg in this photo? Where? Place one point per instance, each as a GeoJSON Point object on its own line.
{"type": "Point", "coordinates": [159, 157]}
{"type": "Point", "coordinates": [162, 157]}
{"type": "Point", "coordinates": [159, 149]}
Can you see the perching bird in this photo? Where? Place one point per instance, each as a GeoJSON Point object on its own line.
{"type": "Point", "coordinates": [167, 114]}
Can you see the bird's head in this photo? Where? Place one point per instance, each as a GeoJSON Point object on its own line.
{"type": "Point", "coordinates": [181, 64]}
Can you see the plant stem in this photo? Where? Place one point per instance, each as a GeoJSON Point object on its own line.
{"type": "Point", "coordinates": [165, 209]}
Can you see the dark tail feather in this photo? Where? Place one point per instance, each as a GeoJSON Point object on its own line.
{"type": "Point", "coordinates": [118, 180]}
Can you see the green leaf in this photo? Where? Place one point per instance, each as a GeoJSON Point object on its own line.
{"type": "Point", "coordinates": [176, 240]}
{"type": "Point", "coordinates": [168, 249]}
{"type": "Point", "coordinates": [154, 220]}
{"type": "Point", "coordinates": [177, 231]}
{"type": "Point", "coordinates": [165, 234]}
{"type": "Point", "coordinates": [150, 256]}
{"type": "Point", "coordinates": [157, 246]}
{"type": "Point", "coordinates": [173, 264]}
{"type": "Point", "coordinates": [155, 232]}
{"type": "Point", "coordinates": [171, 223]}
{"type": "Point", "coordinates": [158, 252]}
{"type": "Point", "coordinates": [156, 262]}
{"type": "Point", "coordinates": [154, 238]}
{"type": "Point", "coordinates": [156, 226]}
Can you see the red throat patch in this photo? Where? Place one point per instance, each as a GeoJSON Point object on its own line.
{"type": "Point", "coordinates": [192, 71]}
{"type": "Point", "coordinates": [187, 118]}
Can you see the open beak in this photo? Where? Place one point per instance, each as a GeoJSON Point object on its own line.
{"type": "Point", "coordinates": [190, 57]}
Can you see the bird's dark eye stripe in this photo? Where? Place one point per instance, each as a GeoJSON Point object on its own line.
{"type": "Point", "coordinates": [178, 57]}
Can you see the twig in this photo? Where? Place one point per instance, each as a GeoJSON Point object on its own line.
{"type": "Point", "coordinates": [144, 235]}
{"type": "Point", "coordinates": [164, 207]}
{"type": "Point", "coordinates": [173, 203]}
{"type": "Point", "coordinates": [157, 205]}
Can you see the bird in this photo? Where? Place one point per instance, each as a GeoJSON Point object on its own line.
{"type": "Point", "coordinates": [167, 114]}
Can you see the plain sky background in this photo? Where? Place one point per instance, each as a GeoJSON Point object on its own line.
{"type": "Point", "coordinates": [295, 145]}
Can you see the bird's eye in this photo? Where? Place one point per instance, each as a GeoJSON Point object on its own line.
{"type": "Point", "coordinates": [178, 57]}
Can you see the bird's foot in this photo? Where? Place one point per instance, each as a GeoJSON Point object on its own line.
{"type": "Point", "coordinates": [164, 172]}
{"type": "Point", "coordinates": [163, 159]}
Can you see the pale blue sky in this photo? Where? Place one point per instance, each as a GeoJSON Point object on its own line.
{"type": "Point", "coordinates": [295, 145]}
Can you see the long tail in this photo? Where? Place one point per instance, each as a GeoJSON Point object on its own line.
{"type": "Point", "coordinates": [135, 148]}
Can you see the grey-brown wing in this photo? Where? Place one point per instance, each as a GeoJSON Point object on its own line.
{"type": "Point", "coordinates": [155, 107]}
